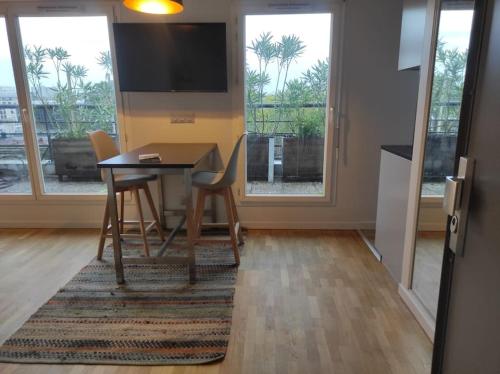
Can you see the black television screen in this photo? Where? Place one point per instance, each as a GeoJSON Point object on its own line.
{"type": "Point", "coordinates": [170, 57]}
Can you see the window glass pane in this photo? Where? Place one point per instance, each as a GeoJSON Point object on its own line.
{"type": "Point", "coordinates": [14, 174]}
{"type": "Point", "coordinates": [69, 71]}
{"type": "Point", "coordinates": [286, 92]}
{"type": "Point", "coordinates": [449, 76]}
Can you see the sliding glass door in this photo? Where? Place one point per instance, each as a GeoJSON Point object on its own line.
{"type": "Point", "coordinates": [70, 78]}
{"type": "Point", "coordinates": [14, 167]}
{"type": "Point", "coordinates": [287, 80]}
{"type": "Point", "coordinates": [64, 68]}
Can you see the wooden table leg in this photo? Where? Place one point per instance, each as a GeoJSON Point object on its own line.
{"type": "Point", "coordinates": [115, 228]}
{"type": "Point", "coordinates": [190, 225]}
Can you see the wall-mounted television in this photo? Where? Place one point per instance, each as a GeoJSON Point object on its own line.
{"type": "Point", "coordinates": [171, 57]}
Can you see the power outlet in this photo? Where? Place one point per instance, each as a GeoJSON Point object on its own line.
{"type": "Point", "coordinates": [182, 118]}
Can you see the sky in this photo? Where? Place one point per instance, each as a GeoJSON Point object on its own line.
{"type": "Point", "coordinates": [312, 29]}
{"type": "Point", "coordinates": [84, 37]}
{"type": "Point", "coordinates": [454, 28]}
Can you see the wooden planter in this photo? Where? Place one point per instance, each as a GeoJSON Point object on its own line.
{"type": "Point", "coordinates": [74, 158]}
{"type": "Point", "coordinates": [257, 157]}
{"type": "Point", "coordinates": [303, 159]}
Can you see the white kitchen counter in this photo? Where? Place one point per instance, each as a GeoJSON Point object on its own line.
{"type": "Point", "coordinates": [392, 205]}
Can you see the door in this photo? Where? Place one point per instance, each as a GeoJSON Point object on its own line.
{"type": "Point", "coordinates": [468, 322]}
{"type": "Point", "coordinates": [65, 89]}
{"type": "Point", "coordinates": [71, 89]}
{"type": "Point", "coordinates": [290, 67]}
{"type": "Point", "coordinates": [449, 71]}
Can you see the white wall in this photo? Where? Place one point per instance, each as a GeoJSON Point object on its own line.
{"type": "Point", "coordinates": [379, 108]}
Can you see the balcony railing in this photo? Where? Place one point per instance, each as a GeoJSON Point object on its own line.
{"type": "Point", "coordinates": [12, 144]}
{"type": "Point", "coordinates": [12, 148]}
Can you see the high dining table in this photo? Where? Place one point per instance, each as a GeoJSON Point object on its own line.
{"type": "Point", "coordinates": [181, 158]}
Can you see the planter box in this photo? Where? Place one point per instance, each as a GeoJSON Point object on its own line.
{"type": "Point", "coordinates": [303, 159]}
{"type": "Point", "coordinates": [257, 157]}
{"type": "Point", "coordinates": [74, 158]}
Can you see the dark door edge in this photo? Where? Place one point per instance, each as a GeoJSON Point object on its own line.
{"type": "Point", "coordinates": [466, 113]}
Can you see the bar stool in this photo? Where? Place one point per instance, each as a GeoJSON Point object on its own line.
{"type": "Point", "coordinates": [219, 183]}
{"type": "Point", "coordinates": [105, 148]}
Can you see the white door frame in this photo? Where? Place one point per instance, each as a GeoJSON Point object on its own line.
{"type": "Point", "coordinates": [416, 173]}
{"type": "Point", "coordinates": [28, 146]}
{"type": "Point", "coordinates": [332, 136]}
{"type": "Point", "coordinates": [12, 11]}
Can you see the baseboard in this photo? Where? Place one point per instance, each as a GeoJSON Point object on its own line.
{"type": "Point", "coordinates": [370, 246]}
{"type": "Point", "coordinates": [50, 225]}
{"type": "Point", "coordinates": [307, 225]}
{"type": "Point", "coordinates": [418, 310]}
{"type": "Point", "coordinates": [262, 225]}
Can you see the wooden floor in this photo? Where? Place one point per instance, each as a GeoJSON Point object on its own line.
{"type": "Point", "coordinates": [429, 250]}
{"type": "Point", "coordinates": [306, 302]}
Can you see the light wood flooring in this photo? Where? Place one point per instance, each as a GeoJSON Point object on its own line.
{"type": "Point", "coordinates": [306, 302]}
{"type": "Point", "coordinates": [429, 249]}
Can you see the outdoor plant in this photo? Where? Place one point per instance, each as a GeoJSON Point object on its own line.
{"type": "Point", "coordinates": [278, 55]}
{"type": "Point", "coordinates": [447, 88]}
{"type": "Point", "coordinates": [289, 49]}
{"type": "Point", "coordinates": [295, 106]}
{"type": "Point", "coordinates": [255, 82]}
{"type": "Point", "coordinates": [265, 50]}
{"type": "Point", "coordinates": [73, 105]}
{"type": "Point", "coordinates": [306, 100]}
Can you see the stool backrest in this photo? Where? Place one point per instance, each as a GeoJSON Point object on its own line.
{"type": "Point", "coordinates": [229, 176]}
{"type": "Point", "coordinates": [104, 146]}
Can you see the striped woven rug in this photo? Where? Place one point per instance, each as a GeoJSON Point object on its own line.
{"type": "Point", "coordinates": [156, 318]}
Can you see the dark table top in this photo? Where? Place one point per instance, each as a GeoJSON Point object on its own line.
{"type": "Point", "coordinates": [405, 151]}
{"type": "Point", "coordinates": [173, 156]}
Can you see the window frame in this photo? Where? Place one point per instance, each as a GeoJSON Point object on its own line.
{"type": "Point", "coordinates": [12, 196]}
{"type": "Point", "coordinates": [12, 12]}
{"type": "Point", "coordinates": [333, 124]}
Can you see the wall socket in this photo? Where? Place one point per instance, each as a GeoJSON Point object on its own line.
{"type": "Point", "coordinates": [182, 118]}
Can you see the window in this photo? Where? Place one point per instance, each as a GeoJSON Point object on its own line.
{"type": "Point", "coordinates": [70, 77]}
{"type": "Point", "coordinates": [447, 90]}
{"type": "Point", "coordinates": [287, 80]}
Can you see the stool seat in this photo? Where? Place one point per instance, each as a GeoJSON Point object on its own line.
{"type": "Point", "coordinates": [208, 179]}
{"type": "Point", "coordinates": [131, 180]}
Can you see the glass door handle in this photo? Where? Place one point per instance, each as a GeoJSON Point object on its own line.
{"type": "Point", "coordinates": [452, 194]}
{"type": "Point", "coordinates": [456, 203]}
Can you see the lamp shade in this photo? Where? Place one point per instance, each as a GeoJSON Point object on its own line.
{"type": "Point", "coordinates": [155, 6]}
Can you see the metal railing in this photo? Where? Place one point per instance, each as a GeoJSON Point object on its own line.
{"type": "Point", "coordinates": [448, 124]}
{"type": "Point", "coordinates": [12, 142]}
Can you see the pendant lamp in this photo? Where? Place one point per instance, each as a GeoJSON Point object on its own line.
{"type": "Point", "coordinates": [155, 6]}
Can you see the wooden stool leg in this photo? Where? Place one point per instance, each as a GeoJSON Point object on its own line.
{"type": "Point", "coordinates": [141, 222]}
{"type": "Point", "coordinates": [232, 223]}
{"type": "Point", "coordinates": [236, 218]}
{"type": "Point", "coordinates": [153, 211]}
{"type": "Point", "coordinates": [200, 208]}
{"type": "Point", "coordinates": [122, 211]}
{"type": "Point", "coordinates": [104, 231]}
